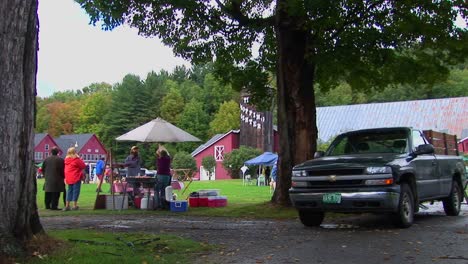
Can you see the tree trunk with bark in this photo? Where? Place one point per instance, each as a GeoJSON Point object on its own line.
{"type": "Point", "coordinates": [296, 101]}
{"type": "Point", "coordinates": [19, 219]}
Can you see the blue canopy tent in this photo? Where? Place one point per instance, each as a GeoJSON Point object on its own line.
{"type": "Point", "coordinates": [265, 159]}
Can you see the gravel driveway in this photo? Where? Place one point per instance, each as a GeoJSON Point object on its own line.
{"type": "Point", "coordinates": [434, 238]}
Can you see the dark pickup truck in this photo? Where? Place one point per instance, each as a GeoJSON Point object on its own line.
{"type": "Point", "coordinates": [382, 170]}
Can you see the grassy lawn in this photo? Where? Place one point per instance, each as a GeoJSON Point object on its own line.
{"type": "Point", "coordinates": [90, 246]}
{"type": "Point", "coordinates": [248, 201]}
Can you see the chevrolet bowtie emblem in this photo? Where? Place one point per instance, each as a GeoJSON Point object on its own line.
{"type": "Point", "coordinates": [332, 178]}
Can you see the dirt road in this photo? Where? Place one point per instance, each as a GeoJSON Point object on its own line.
{"type": "Point", "coordinates": [434, 238]}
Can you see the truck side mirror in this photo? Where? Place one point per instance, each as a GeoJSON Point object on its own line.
{"type": "Point", "coordinates": [319, 154]}
{"type": "Point", "coordinates": [424, 149]}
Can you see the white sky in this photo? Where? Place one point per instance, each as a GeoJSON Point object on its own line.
{"type": "Point", "coordinates": [74, 54]}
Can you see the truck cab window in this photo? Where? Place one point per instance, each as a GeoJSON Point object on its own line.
{"type": "Point", "coordinates": [417, 139]}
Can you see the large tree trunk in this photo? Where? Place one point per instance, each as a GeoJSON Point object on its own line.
{"type": "Point", "coordinates": [18, 65]}
{"type": "Point", "coordinates": [296, 101]}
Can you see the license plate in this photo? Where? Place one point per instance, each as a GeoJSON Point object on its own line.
{"type": "Point", "coordinates": [332, 198]}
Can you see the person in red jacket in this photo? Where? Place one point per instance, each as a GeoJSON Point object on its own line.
{"type": "Point", "coordinates": [74, 167]}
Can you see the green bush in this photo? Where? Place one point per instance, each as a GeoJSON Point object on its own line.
{"type": "Point", "coordinates": [234, 160]}
{"type": "Point", "coordinates": [209, 164]}
{"type": "Point", "coordinates": [183, 160]}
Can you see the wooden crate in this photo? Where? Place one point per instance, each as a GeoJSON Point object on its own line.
{"type": "Point", "coordinates": [444, 144]}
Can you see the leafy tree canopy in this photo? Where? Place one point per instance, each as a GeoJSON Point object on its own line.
{"type": "Point", "coordinates": [226, 119]}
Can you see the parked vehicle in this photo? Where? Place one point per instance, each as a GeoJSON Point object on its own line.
{"type": "Point", "coordinates": [382, 170]}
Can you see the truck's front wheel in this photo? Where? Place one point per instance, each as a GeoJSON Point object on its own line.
{"type": "Point", "coordinates": [452, 203]}
{"type": "Point", "coordinates": [309, 218]}
{"type": "Point", "coordinates": [404, 217]}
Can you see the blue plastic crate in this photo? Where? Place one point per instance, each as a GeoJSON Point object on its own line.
{"type": "Point", "coordinates": [179, 206]}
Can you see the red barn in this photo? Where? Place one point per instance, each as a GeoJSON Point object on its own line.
{"type": "Point", "coordinates": [217, 147]}
{"type": "Point", "coordinates": [43, 143]}
{"type": "Point", "coordinates": [88, 146]}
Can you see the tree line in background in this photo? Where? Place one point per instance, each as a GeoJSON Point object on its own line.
{"type": "Point", "coordinates": [194, 100]}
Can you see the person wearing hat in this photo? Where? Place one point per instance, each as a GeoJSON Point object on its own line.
{"type": "Point", "coordinates": [133, 162]}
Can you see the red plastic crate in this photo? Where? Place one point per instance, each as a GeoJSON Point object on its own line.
{"type": "Point", "coordinates": [137, 202]}
{"type": "Point", "coordinates": [203, 201]}
{"type": "Point", "coordinates": [221, 202]}
{"type": "Point", "coordinates": [212, 201]}
{"type": "Point", "coordinates": [194, 201]}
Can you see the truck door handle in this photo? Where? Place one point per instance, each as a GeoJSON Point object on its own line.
{"type": "Point", "coordinates": [434, 163]}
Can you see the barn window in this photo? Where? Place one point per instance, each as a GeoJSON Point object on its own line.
{"type": "Point", "coordinates": [96, 150]}
{"type": "Point", "coordinates": [38, 155]}
{"type": "Point", "coordinates": [46, 146]}
{"type": "Point", "coordinates": [219, 153]}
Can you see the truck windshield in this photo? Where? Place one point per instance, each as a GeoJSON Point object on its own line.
{"type": "Point", "coordinates": [390, 141]}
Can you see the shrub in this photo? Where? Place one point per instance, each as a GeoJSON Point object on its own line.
{"type": "Point", "coordinates": [234, 160]}
{"type": "Point", "coordinates": [183, 160]}
{"type": "Point", "coordinates": [209, 163]}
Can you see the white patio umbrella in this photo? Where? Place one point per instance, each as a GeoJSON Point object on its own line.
{"type": "Point", "coordinates": [157, 130]}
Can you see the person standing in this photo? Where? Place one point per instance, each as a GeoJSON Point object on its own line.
{"type": "Point", "coordinates": [74, 169]}
{"type": "Point", "coordinates": [53, 170]}
{"type": "Point", "coordinates": [163, 166]}
{"type": "Point", "coordinates": [133, 162]}
{"type": "Point", "coordinates": [100, 167]}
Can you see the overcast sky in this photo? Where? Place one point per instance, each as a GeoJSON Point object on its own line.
{"type": "Point", "coordinates": [74, 54]}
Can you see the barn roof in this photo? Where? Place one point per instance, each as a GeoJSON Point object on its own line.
{"type": "Point", "coordinates": [38, 138]}
{"type": "Point", "coordinates": [67, 141]}
{"type": "Point", "coordinates": [211, 141]}
{"type": "Point", "coordinates": [446, 115]}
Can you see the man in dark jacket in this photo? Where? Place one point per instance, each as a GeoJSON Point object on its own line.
{"type": "Point", "coordinates": [53, 170]}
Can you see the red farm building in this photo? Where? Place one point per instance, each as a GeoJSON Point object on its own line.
{"type": "Point", "coordinates": [88, 146]}
{"type": "Point", "coordinates": [217, 147]}
{"type": "Point", "coordinates": [43, 143]}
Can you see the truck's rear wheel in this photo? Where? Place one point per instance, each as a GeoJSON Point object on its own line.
{"type": "Point", "coordinates": [309, 218]}
{"type": "Point", "coordinates": [404, 217]}
{"type": "Point", "coordinates": [452, 203]}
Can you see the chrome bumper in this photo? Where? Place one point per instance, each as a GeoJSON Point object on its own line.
{"type": "Point", "coordinates": [372, 201]}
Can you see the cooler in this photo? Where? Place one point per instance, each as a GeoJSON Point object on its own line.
{"type": "Point", "coordinates": [193, 201]}
{"type": "Point", "coordinates": [179, 206]}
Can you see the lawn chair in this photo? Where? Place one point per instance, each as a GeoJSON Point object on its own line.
{"type": "Point", "coordinates": [261, 180]}
{"type": "Point", "coordinates": [248, 179]}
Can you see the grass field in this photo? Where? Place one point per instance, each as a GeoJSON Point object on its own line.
{"type": "Point", "coordinates": [92, 246]}
{"type": "Point", "coordinates": [249, 201]}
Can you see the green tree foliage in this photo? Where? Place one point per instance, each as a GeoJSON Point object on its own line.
{"type": "Point", "coordinates": [216, 93]}
{"type": "Point", "coordinates": [191, 90]}
{"type": "Point", "coordinates": [183, 160]}
{"type": "Point", "coordinates": [363, 43]}
{"type": "Point", "coordinates": [226, 119]}
{"type": "Point", "coordinates": [209, 164]}
{"type": "Point", "coordinates": [172, 104]}
{"type": "Point", "coordinates": [234, 160]}
{"type": "Point", "coordinates": [194, 120]}
{"type": "Point", "coordinates": [156, 89]}
{"type": "Point", "coordinates": [93, 109]}
{"type": "Point", "coordinates": [129, 103]}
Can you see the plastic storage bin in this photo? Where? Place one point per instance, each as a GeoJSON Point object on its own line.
{"type": "Point", "coordinates": [209, 192]}
{"type": "Point", "coordinates": [179, 206]}
{"type": "Point", "coordinates": [115, 203]}
{"type": "Point", "coordinates": [193, 201]}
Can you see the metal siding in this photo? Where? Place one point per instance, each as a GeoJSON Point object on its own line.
{"type": "Point", "coordinates": [450, 114]}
